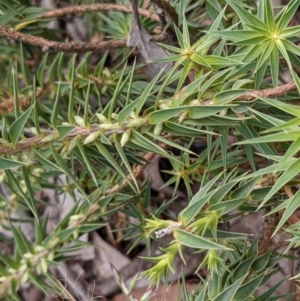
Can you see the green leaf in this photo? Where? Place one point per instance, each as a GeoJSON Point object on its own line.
{"type": "Point", "coordinates": [246, 17]}
{"type": "Point", "coordinates": [290, 207]}
{"type": "Point", "coordinates": [182, 130]}
{"type": "Point", "coordinates": [31, 199]}
{"type": "Point", "coordinates": [289, 32]}
{"type": "Point", "coordinates": [199, 60]}
{"type": "Point", "coordinates": [237, 35]}
{"type": "Point", "coordinates": [166, 114]}
{"type": "Point", "coordinates": [195, 241]}
{"type": "Point", "coordinates": [269, 292]}
{"type": "Point", "coordinates": [9, 164]}
{"type": "Point", "coordinates": [227, 206]}
{"type": "Point", "coordinates": [269, 46]}
{"type": "Point", "coordinates": [193, 87]}
{"type": "Point", "coordinates": [169, 142]}
{"type": "Point", "coordinates": [125, 162]}
{"type": "Point", "coordinates": [87, 161]}
{"type": "Point", "coordinates": [55, 113]}
{"type": "Point", "coordinates": [117, 91]}
{"type": "Point", "coordinates": [292, 150]}
{"type": "Point", "coordinates": [89, 227]}
{"type": "Point", "coordinates": [198, 112]}
{"type": "Point", "coordinates": [247, 289]}
{"type": "Point", "coordinates": [287, 175]}
{"type": "Point", "coordinates": [274, 66]}
{"type": "Point", "coordinates": [261, 262]}
{"type": "Point", "coordinates": [10, 263]}
{"type": "Point", "coordinates": [290, 46]}
{"type": "Point", "coordinates": [288, 136]}
{"type": "Point", "coordinates": [220, 61]}
{"type": "Point", "coordinates": [18, 125]}
{"type": "Point", "coordinates": [65, 169]}
{"type": "Point", "coordinates": [106, 154]}
{"type": "Point", "coordinates": [151, 146]}
{"type": "Point", "coordinates": [288, 13]}
{"type": "Point", "coordinates": [227, 96]}
{"type": "Point", "coordinates": [244, 190]}
{"type": "Point", "coordinates": [147, 92]}
{"type": "Point", "coordinates": [197, 203]}
{"type": "Point", "coordinates": [268, 14]}
{"type": "Point", "coordinates": [243, 268]}
{"type": "Point", "coordinates": [228, 293]}
{"type": "Point", "coordinates": [71, 70]}
{"type": "Point", "coordinates": [23, 244]}
{"type": "Point", "coordinates": [64, 130]}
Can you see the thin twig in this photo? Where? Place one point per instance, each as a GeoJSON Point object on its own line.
{"type": "Point", "coordinates": [267, 93]}
{"type": "Point", "coordinates": [166, 6]}
{"type": "Point", "coordinates": [81, 9]}
{"type": "Point", "coordinates": [135, 13]}
{"type": "Point", "coordinates": [48, 45]}
{"type": "Point", "coordinates": [37, 140]}
{"type": "Point", "coordinates": [265, 245]}
{"type": "Point", "coordinates": [164, 25]}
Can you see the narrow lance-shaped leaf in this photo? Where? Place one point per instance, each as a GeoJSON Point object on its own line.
{"type": "Point", "coordinates": [55, 112]}
{"type": "Point", "coordinates": [195, 241]}
{"type": "Point", "coordinates": [125, 161]}
{"type": "Point", "coordinates": [72, 91]}
{"type": "Point", "coordinates": [106, 154]}
{"type": "Point", "coordinates": [18, 125]}
{"type": "Point", "coordinates": [63, 167]}
{"type": "Point", "coordinates": [9, 164]}
{"type": "Point", "coordinates": [87, 161]}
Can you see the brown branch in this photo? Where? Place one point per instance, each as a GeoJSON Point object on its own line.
{"type": "Point", "coordinates": [166, 6]}
{"type": "Point", "coordinates": [267, 239]}
{"type": "Point", "coordinates": [269, 93]}
{"type": "Point", "coordinates": [81, 9]}
{"type": "Point", "coordinates": [48, 45]}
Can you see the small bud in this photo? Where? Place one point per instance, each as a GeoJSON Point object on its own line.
{"type": "Point", "coordinates": [147, 296]}
{"type": "Point", "coordinates": [2, 177]}
{"type": "Point", "coordinates": [79, 120]}
{"type": "Point", "coordinates": [115, 116]}
{"type": "Point", "coordinates": [24, 278]}
{"type": "Point", "coordinates": [125, 137]}
{"type": "Point", "coordinates": [44, 265]}
{"type": "Point", "coordinates": [134, 123]}
{"type": "Point", "coordinates": [101, 117]}
{"type": "Point", "coordinates": [72, 143]}
{"type": "Point", "coordinates": [51, 256]}
{"type": "Point", "coordinates": [53, 243]}
{"type": "Point", "coordinates": [223, 112]}
{"type": "Point", "coordinates": [76, 217]}
{"type": "Point", "coordinates": [91, 137]}
{"type": "Point", "coordinates": [28, 256]}
{"type": "Point", "coordinates": [39, 248]}
{"type": "Point", "coordinates": [182, 117]}
{"type": "Point", "coordinates": [133, 115]}
{"type": "Point", "coordinates": [107, 126]}
{"type": "Point", "coordinates": [104, 89]}
{"type": "Point", "coordinates": [76, 234]}
{"type": "Point", "coordinates": [34, 131]}
{"type": "Point", "coordinates": [4, 142]}
{"type": "Point", "coordinates": [50, 138]}
{"type": "Point", "coordinates": [158, 128]}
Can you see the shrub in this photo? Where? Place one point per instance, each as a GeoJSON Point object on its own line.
{"type": "Point", "coordinates": [99, 112]}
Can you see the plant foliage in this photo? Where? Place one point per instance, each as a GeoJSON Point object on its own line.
{"type": "Point", "coordinates": [97, 119]}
